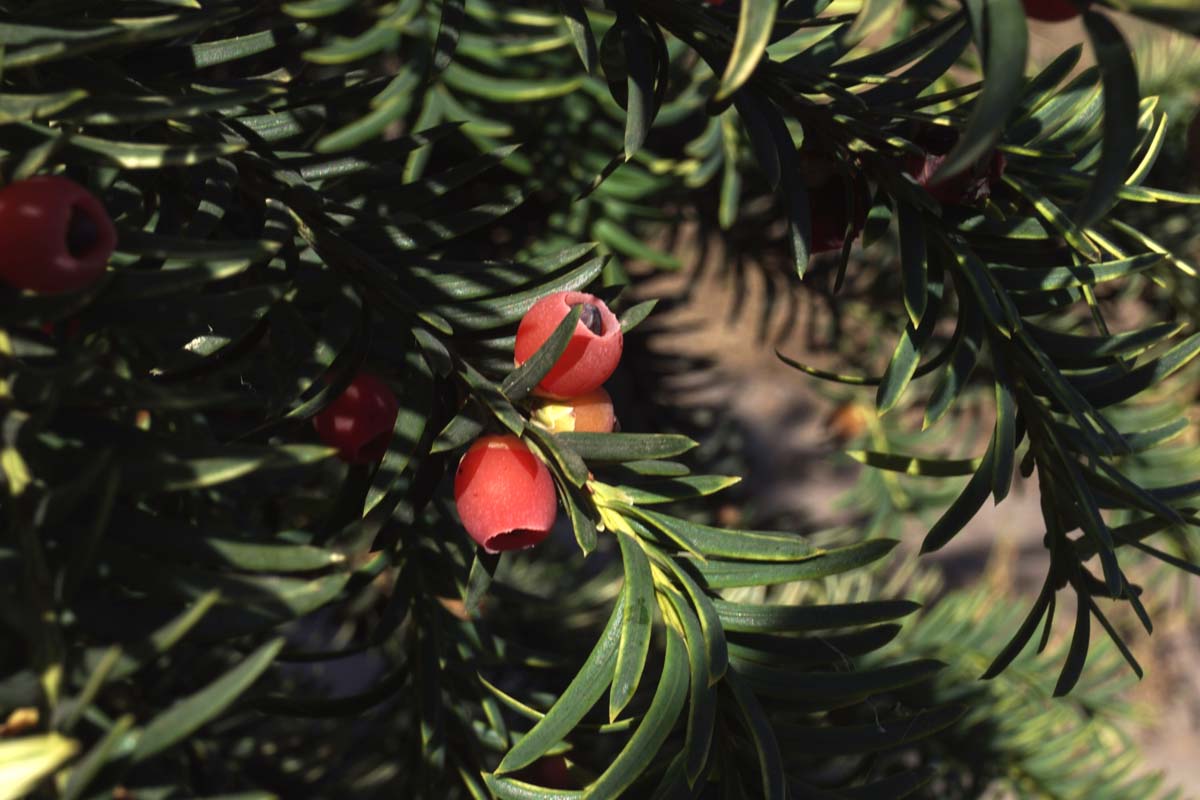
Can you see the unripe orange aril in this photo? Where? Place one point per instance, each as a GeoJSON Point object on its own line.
{"type": "Point", "coordinates": [504, 495]}
{"type": "Point", "coordinates": [848, 421]}
{"type": "Point", "coordinates": [587, 413]}
{"type": "Point", "coordinates": [359, 421]}
{"type": "Point", "coordinates": [55, 236]}
{"type": "Point", "coordinates": [590, 356]}
{"type": "Point", "coordinates": [1052, 10]}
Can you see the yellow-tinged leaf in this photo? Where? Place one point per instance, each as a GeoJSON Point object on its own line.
{"type": "Point", "coordinates": [26, 761]}
{"type": "Point", "coordinates": [754, 32]}
{"type": "Point", "coordinates": [15, 470]}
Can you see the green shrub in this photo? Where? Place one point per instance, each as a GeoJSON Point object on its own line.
{"type": "Point", "coordinates": [201, 600]}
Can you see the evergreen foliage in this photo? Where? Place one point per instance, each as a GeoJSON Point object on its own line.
{"type": "Point", "coordinates": [200, 600]}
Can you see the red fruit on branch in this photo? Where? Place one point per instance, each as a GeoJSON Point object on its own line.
{"type": "Point", "coordinates": [969, 187]}
{"type": "Point", "coordinates": [55, 236]}
{"type": "Point", "coordinates": [1052, 10]}
{"type": "Point", "coordinates": [359, 421]}
{"type": "Point", "coordinates": [504, 495]}
{"type": "Point", "coordinates": [592, 353]}
{"type": "Point", "coordinates": [588, 413]}
{"type": "Point", "coordinates": [828, 195]}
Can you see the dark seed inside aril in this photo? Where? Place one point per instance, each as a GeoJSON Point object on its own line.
{"type": "Point", "coordinates": [82, 233]}
{"type": "Point", "coordinates": [591, 318]}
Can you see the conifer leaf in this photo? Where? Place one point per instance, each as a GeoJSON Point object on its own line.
{"type": "Point", "coordinates": [491, 313]}
{"type": "Point", "coordinates": [897, 54]}
{"type": "Point", "coordinates": [315, 9]}
{"type": "Point", "coordinates": [906, 357]}
{"type": "Point", "coordinates": [770, 760]}
{"type": "Point", "coordinates": [629, 245]}
{"type": "Point", "coordinates": [1023, 634]}
{"type": "Point", "coordinates": [250, 601]}
{"type": "Point", "coordinates": [184, 542]}
{"type": "Point", "coordinates": [702, 698]}
{"type": "Point", "coordinates": [581, 32]}
{"type": "Point", "coordinates": [801, 652]}
{"type": "Point", "coordinates": [1120, 80]}
{"type": "Point", "coordinates": [755, 21]}
{"type": "Point", "coordinates": [914, 465]}
{"type": "Point", "coordinates": [582, 525]}
{"type": "Point", "coordinates": [1051, 278]}
{"type": "Point", "coordinates": [1004, 435]}
{"type": "Point", "coordinates": [1001, 35]}
{"type": "Point", "coordinates": [564, 458]}
{"type": "Point", "coordinates": [635, 315]}
{"type": "Point", "coordinates": [1039, 89]}
{"type": "Point", "coordinates": [492, 398]}
{"type": "Point", "coordinates": [964, 507]}
{"type": "Point", "coordinates": [755, 114]}
{"type": "Point", "coordinates": [309, 707]}
{"type": "Point", "coordinates": [718, 574]}
{"type": "Point", "coordinates": [912, 260]}
{"type": "Point", "coordinates": [589, 683]}
{"type": "Point", "coordinates": [773, 618]}
{"type": "Point", "coordinates": [656, 725]}
{"type": "Point", "coordinates": [507, 90]}
{"type": "Point", "coordinates": [835, 740]}
{"type": "Point", "coordinates": [21, 107]}
{"type": "Point", "coordinates": [642, 103]}
{"type": "Point", "coordinates": [622, 447]}
{"type": "Point", "coordinates": [828, 690]}
{"type": "Point", "coordinates": [638, 599]}
{"type": "Point", "coordinates": [873, 15]}
{"type": "Point", "coordinates": [191, 712]}
{"type": "Point", "coordinates": [711, 541]}
{"type": "Point", "coordinates": [95, 759]}
{"type": "Point", "coordinates": [1077, 654]}
{"type": "Point", "coordinates": [716, 648]}
{"type": "Point", "coordinates": [483, 569]}
{"type": "Point", "coordinates": [449, 31]}
{"type": "Point", "coordinates": [665, 491]}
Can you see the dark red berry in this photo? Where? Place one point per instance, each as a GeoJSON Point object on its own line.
{"type": "Point", "coordinates": [972, 186]}
{"type": "Point", "coordinates": [829, 193]}
{"type": "Point", "coordinates": [1052, 10]}
{"type": "Point", "coordinates": [55, 236]}
{"type": "Point", "coordinates": [359, 421]}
